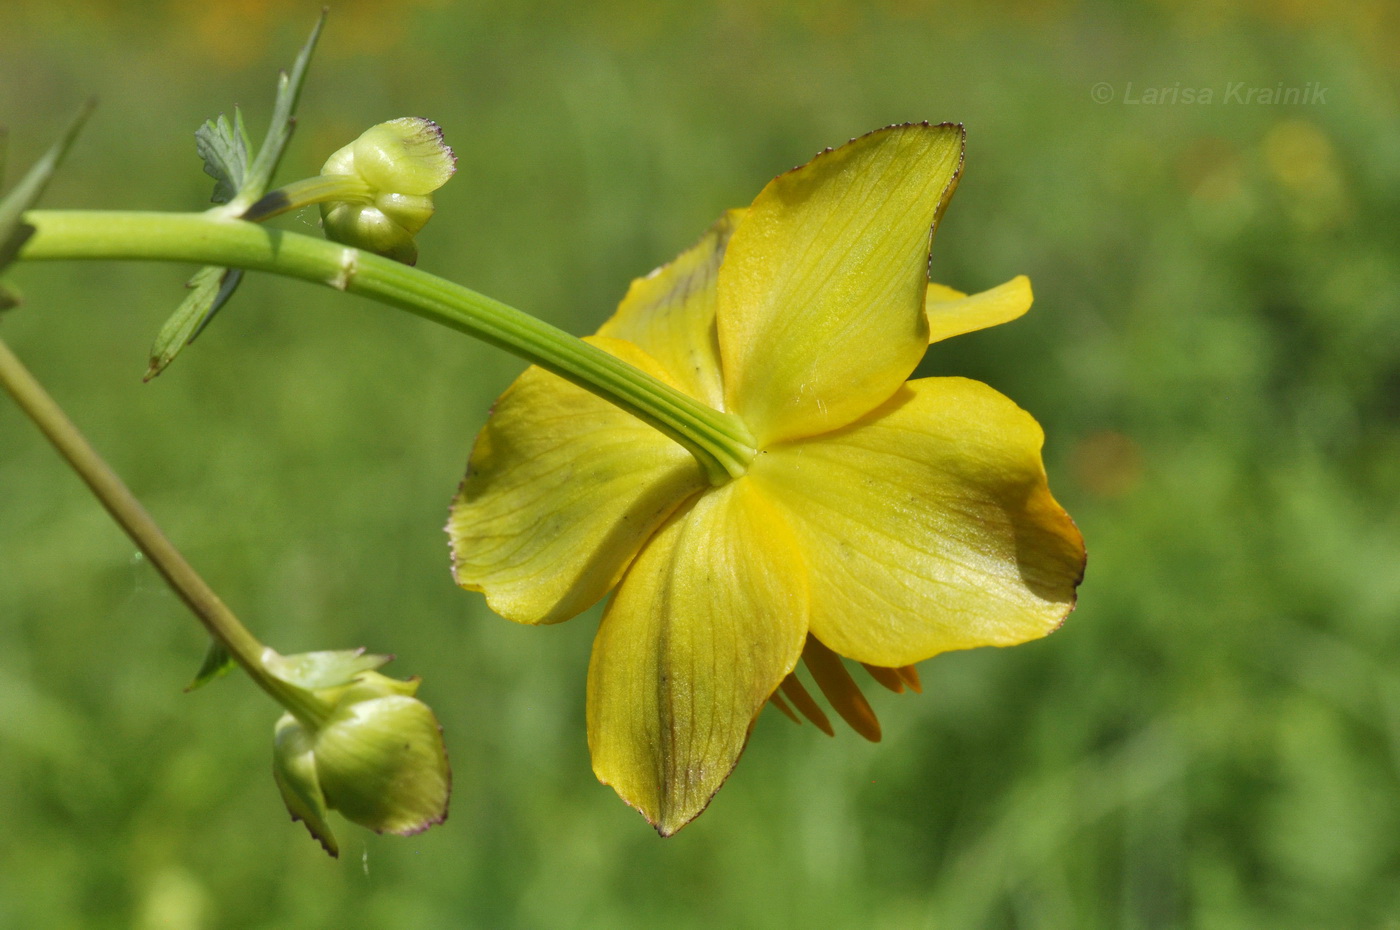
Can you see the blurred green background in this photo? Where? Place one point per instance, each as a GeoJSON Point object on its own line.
{"type": "Point", "coordinates": [1213, 740]}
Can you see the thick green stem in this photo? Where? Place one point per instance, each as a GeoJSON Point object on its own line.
{"type": "Point", "coordinates": [719, 441]}
{"type": "Point", "coordinates": [138, 524]}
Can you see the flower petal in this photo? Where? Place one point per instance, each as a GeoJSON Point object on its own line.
{"type": "Point", "coordinates": [670, 314]}
{"type": "Point", "coordinates": [928, 526]}
{"type": "Point", "coordinates": [952, 313]}
{"type": "Point", "coordinates": [708, 621]}
{"type": "Point", "coordinates": [820, 300]}
{"type": "Point", "coordinates": [562, 490]}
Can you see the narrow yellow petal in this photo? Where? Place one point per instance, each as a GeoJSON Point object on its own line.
{"type": "Point", "coordinates": [952, 313]}
{"type": "Point", "coordinates": [820, 299]}
{"type": "Point", "coordinates": [709, 619]}
{"type": "Point", "coordinates": [803, 701]}
{"type": "Point", "coordinates": [840, 689]}
{"type": "Point", "coordinates": [561, 491]}
{"type": "Point", "coordinates": [941, 293]}
{"type": "Point", "coordinates": [670, 314]}
{"type": "Point", "coordinates": [928, 526]}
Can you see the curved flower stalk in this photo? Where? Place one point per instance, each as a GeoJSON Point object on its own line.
{"type": "Point", "coordinates": [880, 519]}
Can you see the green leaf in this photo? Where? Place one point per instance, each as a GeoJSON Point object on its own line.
{"type": "Point", "coordinates": [224, 148]}
{"type": "Point", "coordinates": [13, 230]}
{"type": "Point", "coordinates": [328, 669]}
{"type": "Point", "coordinates": [259, 174]}
{"type": "Point", "coordinates": [9, 296]}
{"type": "Point", "coordinates": [217, 663]}
{"type": "Point", "coordinates": [210, 288]}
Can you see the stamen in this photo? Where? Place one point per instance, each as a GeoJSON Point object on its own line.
{"type": "Point", "coordinates": [804, 703]}
{"type": "Point", "coordinates": [885, 676]}
{"type": "Point", "coordinates": [910, 676]}
{"type": "Point", "coordinates": [840, 689]}
{"type": "Point", "coordinates": [777, 701]}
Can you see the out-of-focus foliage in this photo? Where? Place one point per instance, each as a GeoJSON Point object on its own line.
{"type": "Point", "coordinates": [1213, 739]}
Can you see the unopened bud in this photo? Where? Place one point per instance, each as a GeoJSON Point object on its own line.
{"type": "Point", "coordinates": [378, 759]}
{"type": "Point", "coordinates": [401, 162]}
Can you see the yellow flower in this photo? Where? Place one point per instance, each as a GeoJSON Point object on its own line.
{"type": "Point", "coordinates": [881, 519]}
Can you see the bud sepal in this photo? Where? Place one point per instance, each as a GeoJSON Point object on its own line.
{"type": "Point", "coordinates": [377, 757]}
{"type": "Point", "coordinates": [401, 163]}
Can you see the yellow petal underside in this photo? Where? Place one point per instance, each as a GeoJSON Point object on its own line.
{"type": "Point", "coordinates": [928, 526]}
{"type": "Point", "coordinates": [561, 492]}
{"type": "Point", "coordinates": [706, 624]}
{"type": "Point", "coordinates": [952, 313]}
{"type": "Point", "coordinates": [670, 314]}
{"type": "Point", "coordinates": [820, 300]}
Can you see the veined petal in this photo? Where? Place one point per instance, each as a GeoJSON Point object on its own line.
{"type": "Point", "coordinates": [928, 526]}
{"type": "Point", "coordinates": [952, 313]}
{"type": "Point", "coordinates": [708, 621]}
{"type": "Point", "coordinates": [670, 314]}
{"type": "Point", "coordinates": [820, 299]}
{"type": "Point", "coordinates": [561, 491]}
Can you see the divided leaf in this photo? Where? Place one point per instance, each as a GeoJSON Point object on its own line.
{"type": "Point", "coordinates": [224, 145]}
{"type": "Point", "coordinates": [224, 148]}
{"type": "Point", "coordinates": [210, 288]}
{"type": "Point", "coordinates": [279, 132]}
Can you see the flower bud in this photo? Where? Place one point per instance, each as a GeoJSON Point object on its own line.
{"type": "Point", "coordinates": [402, 162]}
{"type": "Point", "coordinates": [378, 758]}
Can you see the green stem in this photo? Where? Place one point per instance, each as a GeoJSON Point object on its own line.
{"type": "Point", "coordinates": [138, 524]}
{"type": "Point", "coordinates": [320, 189]}
{"type": "Point", "coordinates": [719, 441]}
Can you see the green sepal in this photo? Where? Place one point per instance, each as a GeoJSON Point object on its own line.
{"type": "Point", "coordinates": [294, 770]}
{"type": "Point", "coordinates": [224, 148]}
{"type": "Point", "coordinates": [210, 288]}
{"type": "Point", "coordinates": [316, 671]}
{"type": "Point", "coordinates": [217, 663]}
{"type": "Point", "coordinates": [381, 759]}
{"type": "Point", "coordinates": [14, 232]}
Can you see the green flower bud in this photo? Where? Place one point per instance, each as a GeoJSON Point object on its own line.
{"type": "Point", "coordinates": [401, 163]}
{"type": "Point", "coordinates": [378, 758]}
